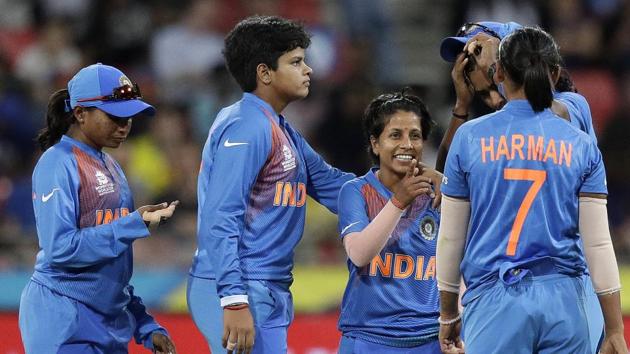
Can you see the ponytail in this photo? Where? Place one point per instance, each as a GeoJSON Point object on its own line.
{"type": "Point", "coordinates": [58, 121]}
{"type": "Point", "coordinates": [528, 55]}
{"type": "Point", "coordinates": [537, 84]}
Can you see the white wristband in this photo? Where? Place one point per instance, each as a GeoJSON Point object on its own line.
{"type": "Point", "coordinates": [451, 321]}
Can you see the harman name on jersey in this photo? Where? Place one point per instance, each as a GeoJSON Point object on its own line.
{"type": "Point", "coordinates": [524, 167]}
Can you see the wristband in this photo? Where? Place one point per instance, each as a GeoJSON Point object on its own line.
{"type": "Point", "coordinates": [451, 321]}
{"type": "Point", "coordinates": [397, 203]}
{"type": "Point", "coordinates": [236, 307]}
{"type": "Point", "coordinates": [460, 116]}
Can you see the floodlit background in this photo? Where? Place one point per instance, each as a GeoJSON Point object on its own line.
{"type": "Point", "coordinates": [360, 48]}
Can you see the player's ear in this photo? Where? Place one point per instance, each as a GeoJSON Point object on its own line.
{"type": "Point", "coordinates": [263, 73]}
{"type": "Point", "coordinates": [374, 144]}
{"type": "Point", "coordinates": [555, 74]}
{"type": "Point", "coordinates": [499, 76]}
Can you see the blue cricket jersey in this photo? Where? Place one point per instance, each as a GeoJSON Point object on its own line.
{"type": "Point", "coordinates": [256, 172]}
{"type": "Point", "coordinates": [394, 299]}
{"type": "Point", "coordinates": [86, 225]}
{"type": "Point", "coordinates": [579, 111]}
{"type": "Point", "coordinates": [522, 172]}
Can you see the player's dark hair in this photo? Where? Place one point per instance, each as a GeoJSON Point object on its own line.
{"type": "Point", "coordinates": [380, 110]}
{"type": "Point", "coordinates": [528, 55]}
{"type": "Point", "coordinates": [58, 121]}
{"type": "Point", "coordinates": [565, 83]}
{"type": "Point", "coordinates": [260, 40]}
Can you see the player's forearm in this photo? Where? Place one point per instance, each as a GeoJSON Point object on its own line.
{"type": "Point", "coordinates": [451, 243]}
{"type": "Point", "coordinates": [445, 144]}
{"type": "Point", "coordinates": [598, 248]}
{"type": "Point", "coordinates": [68, 247]}
{"type": "Point", "coordinates": [362, 246]}
{"type": "Point", "coordinates": [611, 308]}
{"type": "Point", "coordinates": [448, 305]}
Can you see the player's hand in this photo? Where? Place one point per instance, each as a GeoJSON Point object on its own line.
{"type": "Point", "coordinates": [485, 49]}
{"type": "Point", "coordinates": [412, 185]}
{"type": "Point", "coordinates": [450, 342]}
{"type": "Point", "coordinates": [238, 331]}
{"type": "Point", "coordinates": [162, 344]}
{"type": "Point", "coordinates": [614, 343]}
{"type": "Point", "coordinates": [436, 180]}
{"type": "Point", "coordinates": [156, 215]}
{"type": "Point", "coordinates": [463, 90]}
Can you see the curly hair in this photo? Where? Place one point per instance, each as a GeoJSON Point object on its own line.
{"type": "Point", "coordinates": [260, 40]}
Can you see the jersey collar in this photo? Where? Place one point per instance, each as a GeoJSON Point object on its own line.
{"type": "Point", "coordinates": [266, 107]}
{"type": "Point", "coordinates": [521, 106]}
{"type": "Point", "coordinates": [376, 183]}
{"type": "Point", "coordinates": [85, 147]}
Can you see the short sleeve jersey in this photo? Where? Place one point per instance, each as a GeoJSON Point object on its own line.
{"type": "Point", "coordinates": [522, 172]}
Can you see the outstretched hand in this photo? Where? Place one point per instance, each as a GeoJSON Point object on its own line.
{"type": "Point", "coordinates": [412, 185]}
{"type": "Point", "coordinates": [156, 215]}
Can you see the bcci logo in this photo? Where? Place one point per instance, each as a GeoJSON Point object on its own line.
{"type": "Point", "coordinates": [428, 228]}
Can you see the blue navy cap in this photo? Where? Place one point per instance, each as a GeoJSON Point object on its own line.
{"type": "Point", "coordinates": [99, 80]}
{"type": "Point", "coordinates": [452, 46]}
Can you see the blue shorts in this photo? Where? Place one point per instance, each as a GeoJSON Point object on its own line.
{"type": "Point", "coordinates": [349, 345]}
{"type": "Point", "coordinates": [594, 315]}
{"type": "Point", "coordinates": [538, 314]}
{"type": "Point", "coordinates": [53, 323]}
{"type": "Point", "coordinates": [271, 305]}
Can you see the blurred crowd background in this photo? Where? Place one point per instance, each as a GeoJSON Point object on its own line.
{"type": "Point", "coordinates": [360, 48]}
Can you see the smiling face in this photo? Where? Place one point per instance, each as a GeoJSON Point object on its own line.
{"type": "Point", "coordinates": [399, 143]}
{"type": "Point", "coordinates": [292, 78]}
{"type": "Point", "coordinates": [98, 129]}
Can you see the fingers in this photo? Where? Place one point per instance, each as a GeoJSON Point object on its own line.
{"type": "Point", "coordinates": [437, 201]}
{"type": "Point", "coordinates": [154, 207]}
{"type": "Point", "coordinates": [249, 343]}
{"type": "Point", "coordinates": [224, 338]}
{"type": "Point", "coordinates": [240, 343]}
{"type": "Point", "coordinates": [411, 169]}
{"type": "Point", "coordinates": [231, 342]}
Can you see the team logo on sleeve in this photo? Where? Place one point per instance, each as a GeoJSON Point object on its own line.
{"type": "Point", "coordinates": [428, 227]}
{"type": "Point", "coordinates": [104, 186]}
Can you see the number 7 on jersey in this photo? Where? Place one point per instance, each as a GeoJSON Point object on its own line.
{"type": "Point", "coordinates": [515, 174]}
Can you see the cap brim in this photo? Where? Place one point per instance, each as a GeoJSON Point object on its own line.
{"type": "Point", "coordinates": [126, 109]}
{"type": "Point", "coordinates": [451, 47]}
